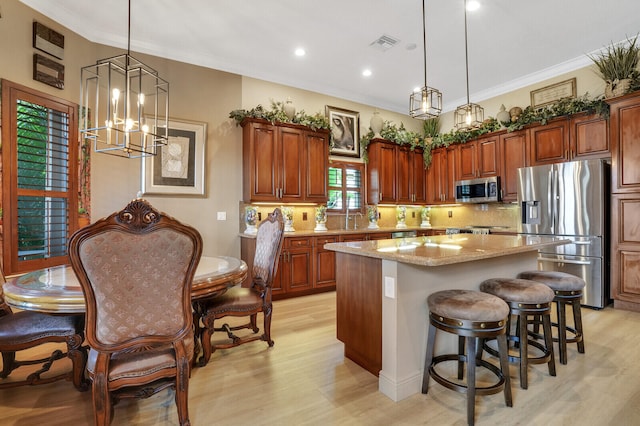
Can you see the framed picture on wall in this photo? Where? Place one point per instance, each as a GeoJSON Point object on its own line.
{"type": "Point", "coordinates": [345, 131]}
{"type": "Point", "coordinates": [178, 168]}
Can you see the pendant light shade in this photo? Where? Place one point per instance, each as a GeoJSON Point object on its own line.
{"type": "Point", "coordinates": [467, 116]}
{"type": "Point", "coordinates": [124, 106]}
{"type": "Point", "coordinates": [426, 102]}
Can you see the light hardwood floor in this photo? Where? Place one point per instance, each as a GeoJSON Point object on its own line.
{"type": "Point", "coordinates": [305, 380]}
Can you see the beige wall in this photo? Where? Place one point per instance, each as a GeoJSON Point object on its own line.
{"type": "Point", "coordinates": [204, 95]}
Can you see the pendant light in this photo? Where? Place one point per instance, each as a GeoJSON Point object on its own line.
{"type": "Point", "coordinates": [124, 105]}
{"type": "Point", "coordinates": [425, 102]}
{"type": "Point", "coordinates": [467, 116]}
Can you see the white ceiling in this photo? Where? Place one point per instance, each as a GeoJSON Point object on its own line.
{"type": "Point", "coordinates": [512, 43]}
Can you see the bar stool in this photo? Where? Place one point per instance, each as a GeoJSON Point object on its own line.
{"type": "Point", "coordinates": [568, 290]}
{"type": "Point", "coordinates": [469, 315]}
{"type": "Point", "coordinates": [526, 299]}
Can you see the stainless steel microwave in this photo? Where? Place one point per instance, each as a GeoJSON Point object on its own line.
{"type": "Point", "coordinates": [484, 190]}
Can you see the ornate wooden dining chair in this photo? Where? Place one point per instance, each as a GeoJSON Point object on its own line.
{"type": "Point", "coordinates": [136, 268]}
{"type": "Point", "coordinates": [241, 301]}
{"type": "Point", "coordinates": [28, 329]}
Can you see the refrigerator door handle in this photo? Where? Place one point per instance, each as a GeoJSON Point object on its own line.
{"type": "Point", "coordinates": [582, 243]}
{"type": "Point", "coordinates": [573, 262]}
{"type": "Point", "coordinates": [550, 201]}
{"type": "Point", "coordinates": [556, 216]}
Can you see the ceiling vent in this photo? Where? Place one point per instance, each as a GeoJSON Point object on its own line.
{"type": "Point", "coordinates": [384, 43]}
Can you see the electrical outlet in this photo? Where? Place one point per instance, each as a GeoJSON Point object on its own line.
{"type": "Point", "coordinates": [259, 216]}
{"type": "Point", "coordinates": [450, 212]}
{"type": "Point", "coordinates": [413, 214]}
{"type": "Point", "coordinates": [304, 215]}
{"type": "Point", "coordinates": [222, 215]}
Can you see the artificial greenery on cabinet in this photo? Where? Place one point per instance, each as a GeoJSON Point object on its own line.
{"type": "Point", "coordinates": [277, 115]}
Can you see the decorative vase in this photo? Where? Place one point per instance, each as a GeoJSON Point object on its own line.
{"type": "Point", "coordinates": [425, 212]}
{"type": "Point", "coordinates": [372, 215]}
{"type": "Point", "coordinates": [617, 88]}
{"type": "Point", "coordinates": [515, 113]}
{"type": "Point", "coordinates": [250, 220]}
{"type": "Point", "coordinates": [287, 213]}
{"type": "Point", "coordinates": [401, 217]}
{"type": "Point", "coordinates": [376, 124]}
{"type": "Point", "coordinates": [321, 219]}
{"type": "Point", "coordinates": [289, 109]}
{"type": "Point", "coordinates": [503, 116]}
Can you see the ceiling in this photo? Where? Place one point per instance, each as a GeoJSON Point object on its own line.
{"type": "Point", "coordinates": [511, 43]}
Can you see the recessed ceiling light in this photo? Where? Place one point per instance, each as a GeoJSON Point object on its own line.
{"type": "Point", "coordinates": [300, 51]}
{"type": "Point", "coordinates": [367, 73]}
{"type": "Point", "coordinates": [473, 5]}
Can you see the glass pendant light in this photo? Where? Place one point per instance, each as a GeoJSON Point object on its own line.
{"type": "Point", "coordinates": [467, 116]}
{"type": "Point", "coordinates": [124, 105]}
{"type": "Point", "coordinates": [426, 102]}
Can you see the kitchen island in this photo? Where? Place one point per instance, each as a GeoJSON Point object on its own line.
{"type": "Point", "coordinates": [382, 287]}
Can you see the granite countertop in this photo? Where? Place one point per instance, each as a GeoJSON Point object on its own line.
{"type": "Point", "coordinates": [445, 249]}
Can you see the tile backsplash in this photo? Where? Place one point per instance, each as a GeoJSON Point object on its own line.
{"type": "Point", "coordinates": [494, 214]}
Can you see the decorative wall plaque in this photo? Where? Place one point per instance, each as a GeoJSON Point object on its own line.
{"type": "Point", "coordinates": [48, 40]}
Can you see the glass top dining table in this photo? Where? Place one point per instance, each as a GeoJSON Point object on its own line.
{"type": "Point", "coordinates": [57, 290]}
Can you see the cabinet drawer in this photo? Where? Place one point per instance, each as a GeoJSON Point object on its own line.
{"type": "Point", "coordinates": [321, 241]}
{"type": "Point", "coordinates": [297, 242]}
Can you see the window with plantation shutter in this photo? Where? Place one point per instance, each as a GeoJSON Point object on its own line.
{"type": "Point", "coordinates": [39, 155]}
{"type": "Point", "coordinates": [345, 186]}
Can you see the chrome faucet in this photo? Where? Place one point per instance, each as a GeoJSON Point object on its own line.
{"type": "Point", "coordinates": [346, 217]}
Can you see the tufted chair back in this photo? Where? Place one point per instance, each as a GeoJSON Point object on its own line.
{"type": "Point", "coordinates": [136, 268]}
{"type": "Point", "coordinates": [268, 247]}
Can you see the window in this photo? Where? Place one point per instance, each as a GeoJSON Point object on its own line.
{"type": "Point", "coordinates": [39, 155]}
{"type": "Point", "coordinates": [345, 183]}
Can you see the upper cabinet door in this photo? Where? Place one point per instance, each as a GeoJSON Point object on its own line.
{"type": "Point", "coordinates": [317, 160]}
{"type": "Point", "coordinates": [260, 159]}
{"type": "Point", "coordinates": [293, 161]}
{"type": "Point", "coordinates": [381, 172]}
{"type": "Point", "coordinates": [589, 137]}
{"type": "Point", "coordinates": [625, 143]}
{"type": "Point", "coordinates": [513, 154]}
{"type": "Point", "coordinates": [550, 142]}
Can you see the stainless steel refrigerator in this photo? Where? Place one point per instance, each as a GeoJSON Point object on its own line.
{"type": "Point", "coordinates": [570, 200]}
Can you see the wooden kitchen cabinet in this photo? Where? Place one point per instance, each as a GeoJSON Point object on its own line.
{"type": "Point", "coordinates": [578, 137]}
{"type": "Point", "coordinates": [625, 259]}
{"type": "Point", "coordinates": [284, 162]}
{"type": "Point", "coordinates": [295, 269]}
{"type": "Point", "coordinates": [325, 263]}
{"type": "Point", "coordinates": [411, 176]}
{"type": "Point", "coordinates": [479, 158]}
{"type": "Point", "coordinates": [381, 172]}
{"type": "Point", "coordinates": [624, 125]}
{"type": "Point", "coordinates": [514, 147]}
{"type": "Point", "coordinates": [441, 175]}
{"type": "Point", "coordinates": [588, 137]}
{"type": "Point", "coordinates": [549, 143]}
{"type": "Point", "coordinates": [395, 174]}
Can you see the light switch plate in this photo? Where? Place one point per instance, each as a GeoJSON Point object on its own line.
{"type": "Point", "coordinates": [222, 215]}
{"type": "Point", "coordinates": [390, 287]}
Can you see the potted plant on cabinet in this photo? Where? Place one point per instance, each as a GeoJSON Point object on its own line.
{"type": "Point", "coordinates": [618, 66]}
{"type": "Point", "coordinates": [83, 217]}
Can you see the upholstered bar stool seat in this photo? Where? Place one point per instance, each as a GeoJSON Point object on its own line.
{"type": "Point", "coordinates": [469, 315]}
{"type": "Point", "coordinates": [568, 290]}
{"type": "Point", "coordinates": [526, 299]}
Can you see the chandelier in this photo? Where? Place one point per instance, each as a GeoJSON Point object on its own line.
{"type": "Point", "coordinates": [467, 116]}
{"type": "Point", "coordinates": [426, 102]}
{"type": "Point", "coordinates": [124, 105]}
